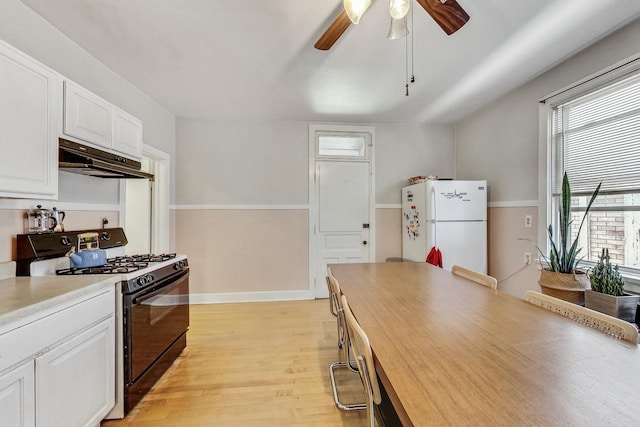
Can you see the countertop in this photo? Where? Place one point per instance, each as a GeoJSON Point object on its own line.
{"type": "Point", "coordinates": [21, 297]}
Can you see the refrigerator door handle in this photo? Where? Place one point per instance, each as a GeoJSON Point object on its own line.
{"type": "Point", "coordinates": [432, 217]}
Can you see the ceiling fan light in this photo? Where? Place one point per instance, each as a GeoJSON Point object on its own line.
{"type": "Point", "coordinates": [356, 8]}
{"type": "Point", "coordinates": [398, 9]}
{"type": "Point", "coordinates": [398, 28]}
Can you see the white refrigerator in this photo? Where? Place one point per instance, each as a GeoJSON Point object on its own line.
{"type": "Point", "coordinates": [450, 216]}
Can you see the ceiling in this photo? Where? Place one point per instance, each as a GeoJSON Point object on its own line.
{"type": "Point", "coordinates": [254, 59]}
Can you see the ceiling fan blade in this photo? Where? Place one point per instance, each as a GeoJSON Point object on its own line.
{"type": "Point", "coordinates": [333, 33]}
{"type": "Point", "coordinates": [449, 15]}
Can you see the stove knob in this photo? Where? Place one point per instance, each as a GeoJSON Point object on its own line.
{"type": "Point", "coordinates": [150, 278]}
{"type": "Point", "coordinates": [141, 281]}
{"type": "Point", "coordinates": [65, 240]}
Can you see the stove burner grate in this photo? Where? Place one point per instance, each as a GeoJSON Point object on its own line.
{"type": "Point", "coordinates": [121, 264]}
{"type": "Point", "coordinates": [142, 258]}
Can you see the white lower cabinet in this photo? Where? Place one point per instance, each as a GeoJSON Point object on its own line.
{"type": "Point", "coordinates": [59, 370]}
{"type": "Point", "coordinates": [83, 368]}
{"type": "Point", "coordinates": [17, 398]}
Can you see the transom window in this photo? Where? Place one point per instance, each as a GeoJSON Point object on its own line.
{"type": "Point", "coordinates": [350, 145]}
{"type": "Point", "coordinates": [596, 138]}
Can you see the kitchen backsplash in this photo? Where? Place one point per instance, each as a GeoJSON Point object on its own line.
{"type": "Point", "coordinates": [12, 223]}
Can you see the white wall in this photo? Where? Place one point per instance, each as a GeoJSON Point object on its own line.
{"type": "Point", "coordinates": [406, 150]}
{"type": "Point", "coordinates": [257, 163]}
{"type": "Point", "coordinates": [27, 31]}
{"type": "Point", "coordinates": [245, 163]}
{"type": "Point", "coordinates": [500, 143]}
{"type": "Point", "coordinates": [242, 200]}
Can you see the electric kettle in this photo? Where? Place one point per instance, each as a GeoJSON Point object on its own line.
{"type": "Point", "coordinates": [39, 220]}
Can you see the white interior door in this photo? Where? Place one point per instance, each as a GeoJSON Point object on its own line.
{"type": "Point", "coordinates": [343, 231]}
{"type": "Point", "coordinates": [341, 199]}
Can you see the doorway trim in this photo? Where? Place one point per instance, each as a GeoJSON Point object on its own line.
{"type": "Point", "coordinates": [160, 224]}
{"type": "Point", "coordinates": [320, 290]}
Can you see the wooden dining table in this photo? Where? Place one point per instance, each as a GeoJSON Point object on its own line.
{"type": "Point", "coordinates": [449, 351]}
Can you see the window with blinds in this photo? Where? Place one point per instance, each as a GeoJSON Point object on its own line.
{"type": "Point", "coordinates": [596, 138]}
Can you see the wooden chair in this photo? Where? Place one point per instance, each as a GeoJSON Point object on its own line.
{"type": "Point", "coordinates": [364, 359]}
{"type": "Point", "coordinates": [474, 276]}
{"type": "Point", "coordinates": [343, 343]}
{"type": "Point", "coordinates": [594, 319]}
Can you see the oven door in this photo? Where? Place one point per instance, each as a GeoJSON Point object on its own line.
{"type": "Point", "coordinates": [155, 317]}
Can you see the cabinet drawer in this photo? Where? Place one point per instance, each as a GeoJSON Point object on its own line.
{"type": "Point", "coordinates": [30, 340]}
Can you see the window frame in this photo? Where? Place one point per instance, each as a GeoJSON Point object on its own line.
{"type": "Point", "coordinates": [547, 104]}
{"type": "Point", "coordinates": [366, 136]}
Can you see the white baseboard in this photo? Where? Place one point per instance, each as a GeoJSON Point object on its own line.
{"type": "Point", "coordinates": [250, 297]}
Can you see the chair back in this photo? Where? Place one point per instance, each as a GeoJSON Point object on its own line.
{"type": "Point", "coordinates": [333, 298]}
{"type": "Point", "coordinates": [334, 285]}
{"type": "Point", "coordinates": [363, 355]}
{"type": "Point", "coordinates": [474, 276]}
{"type": "Point", "coordinates": [594, 319]}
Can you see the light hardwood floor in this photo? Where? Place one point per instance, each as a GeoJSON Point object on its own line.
{"type": "Point", "coordinates": [252, 364]}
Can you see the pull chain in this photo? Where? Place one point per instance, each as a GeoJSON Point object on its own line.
{"type": "Point", "coordinates": [413, 78]}
{"type": "Point", "coordinates": [406, 65]}
{"type": "Point", "coordinates": [408, 79]}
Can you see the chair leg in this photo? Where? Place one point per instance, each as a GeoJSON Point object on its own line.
{"type": "Point", "coordinates": [344, 407]}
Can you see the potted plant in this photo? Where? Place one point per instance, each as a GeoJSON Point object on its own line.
{"type": "Point", "coordinates": [560, 277]}
{"type": "Point", "coordinates": [607, 291]}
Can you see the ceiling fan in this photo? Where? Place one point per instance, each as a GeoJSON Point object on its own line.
{"type": "Point", "coordinates": [448, 14]}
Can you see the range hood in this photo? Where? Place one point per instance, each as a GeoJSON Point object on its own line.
{"type": "Point", "coordinates": [84, 160]}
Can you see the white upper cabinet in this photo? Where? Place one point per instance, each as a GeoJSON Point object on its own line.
{"type": "Point", "coordinates": [86, 116]}
{"type": "Point", "coordinates": [127, 133]}
{"type": "Point", "coordinates": [29, 117]}
{"type": "Point", "coordinates": [92, 120]}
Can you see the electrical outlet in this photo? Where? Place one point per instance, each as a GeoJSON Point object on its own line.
{"type": "Point", "coordinates": [528, 221]}
{"type": "Point", "coordinates": [527, 258]}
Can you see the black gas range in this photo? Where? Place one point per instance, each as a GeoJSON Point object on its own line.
{"type": "Point", "coordinates": [152, 305]}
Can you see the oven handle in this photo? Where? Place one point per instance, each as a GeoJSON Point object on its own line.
{"type": "Point", "coordinates": [160, 287]}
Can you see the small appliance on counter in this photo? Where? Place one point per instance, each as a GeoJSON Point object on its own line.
{"type": "Point", "coordinates": [152, 299]}
{"type": "Point", "coordinates": [39, 220]}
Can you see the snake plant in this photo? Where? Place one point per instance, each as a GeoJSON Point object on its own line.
{"type": "Point", "coordinates": [563, 257]}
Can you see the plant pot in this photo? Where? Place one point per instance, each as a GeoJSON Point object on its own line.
{"type": "Point", "coordinates": [566, 286]}
{"type": "Point", "coordinates": [623, 307]}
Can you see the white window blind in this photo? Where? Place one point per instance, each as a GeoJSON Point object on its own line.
{"type": "Point", "coordinates": [596, 137]}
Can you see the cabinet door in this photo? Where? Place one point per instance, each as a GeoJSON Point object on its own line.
{"type": "Point", "coordinates": [86, 115]}
{"type": "Point", "coordinates": [17, 399]}
{"type": "Point", "coordinates": [127, 133]}
{"type": "Point", "coordinates": [75, 382]}
{"type": "Point", "coordinates": [29, 94]}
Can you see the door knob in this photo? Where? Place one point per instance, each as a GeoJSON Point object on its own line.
{"type": "Point", "coordinates": [364, 242]}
